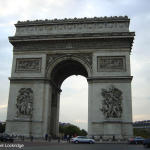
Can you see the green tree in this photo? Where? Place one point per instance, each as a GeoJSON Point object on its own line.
{"type": "Point", "coordinates": [61, 129]}
{"type": "Point", "coordinates": [2, 127]}
{"type": "Point", "coordinates": [142, 132]}
{"type": "Point", "coordinates": [83, 132]}
{"type": "Point", "coordinates": [71, 130]}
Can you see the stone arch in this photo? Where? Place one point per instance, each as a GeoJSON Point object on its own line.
{"type": "Point", "coordinates": [83, 61]}
{"type": "Point", "coordinates": [58, 70]}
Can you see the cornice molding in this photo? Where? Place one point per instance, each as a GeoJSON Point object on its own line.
{"type": "Point", "coordinates": [130, 35]}
{"type": "Point", "coordinates": [33, 79]}
{"type": "Point", "coordinates": [110, 79]}
{"type": "Point", "coordinates": [73, 26]}
{"type": "Point", "coordinates": [72, 20]}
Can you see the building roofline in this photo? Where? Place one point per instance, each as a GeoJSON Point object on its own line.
{"type": "Point", "coordinates": [73, 20]}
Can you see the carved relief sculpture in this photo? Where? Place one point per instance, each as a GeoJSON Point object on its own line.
{"type": "Point", "coordinates": [57, 26]}
{"type": "Point", "coordinates": [25, 102]}
{"type": "Point", "coordinates": [28, 64]}
{"type": "Point", "coordinates": [86, 57]}
{"type": "Point", "coordinates": [112, 102]}
{"type": "Point", "coordinates": [111, 63]}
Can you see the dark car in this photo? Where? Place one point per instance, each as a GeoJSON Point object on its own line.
{"type": "Point", "coordinates": [146, 143]}
{"type": "Point", "coordinates": [136, 140]}
{"type": "Point", "coordinates": [6, 138]}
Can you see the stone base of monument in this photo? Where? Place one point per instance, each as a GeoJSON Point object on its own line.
{"type": "Point", "coordinates": [111, 139]}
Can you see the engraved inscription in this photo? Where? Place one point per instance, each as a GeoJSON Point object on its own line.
{"type": "Point", "coordinates": [111, 63]}
{"type": "Point", "coordinates": [28, 64]}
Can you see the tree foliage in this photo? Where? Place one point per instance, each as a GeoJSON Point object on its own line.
{"type": "Point", "coordinates": [71, 130]}
{"type": "Point", "coordinates": [83, 132]}
{"type": "Point", "coordinates": [142, 132]}
{"type": "Point", "coordinates": [2, 127]}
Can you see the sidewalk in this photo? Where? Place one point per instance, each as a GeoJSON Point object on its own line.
{"type": "Point", "coordinates": [38, 142]}
{"type": "Point", "coordinates": [43, 142]}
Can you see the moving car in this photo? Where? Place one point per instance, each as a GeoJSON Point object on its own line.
{"type": "Point", "coordinates": [6, 138]}
{"type": "Point", "coordinates": [82, 139]}
{"type": "Point", "coordinates": [146, 143]}
{"type": "Point", "coordinates": [136, 140]}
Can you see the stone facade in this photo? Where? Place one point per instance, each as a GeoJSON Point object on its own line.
{"type": "Point", "coordinates": [46, 52]}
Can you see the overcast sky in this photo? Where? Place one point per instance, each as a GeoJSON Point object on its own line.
{"type": "Point", "coordinates": [137, 10]}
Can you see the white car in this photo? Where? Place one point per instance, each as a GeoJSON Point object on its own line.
{"type": "Point", "coordinates": [82, 139]}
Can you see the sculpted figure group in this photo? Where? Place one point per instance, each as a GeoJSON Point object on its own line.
{"type": "Point", "coordinates": [112, 102]}
{"type": "Point", "coordinates": [24, 102]}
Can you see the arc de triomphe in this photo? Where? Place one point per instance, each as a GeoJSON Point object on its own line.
{"type": "Point", "coordinates": [46, 52]}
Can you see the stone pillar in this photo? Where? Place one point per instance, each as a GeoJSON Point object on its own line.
{"type": "Point", "coordinates": [19, 121]}
{"type": "Point", "coordinates": [105, 119]}
{"type": "Point", "coordinates": [47, 108]}
{"type": "Point", "coordinates": [57, 115]}
{"type": "Point", "coordinates": [110, 103]}
{"type": "Point", "coordinates": [29, 91]}
{"type": "Point", "coordinates": [54, 115]}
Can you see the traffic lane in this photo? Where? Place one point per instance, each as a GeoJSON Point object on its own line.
{"type": "Point", "coordinates": [86, 147]}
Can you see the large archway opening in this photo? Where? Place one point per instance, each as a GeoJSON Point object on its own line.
{"type": "Point", "coordinates": [66, 68]}
{"type": "Point", "coordinates": [60, 72]}
{"type": "Point", "coordinates": [74, 102]}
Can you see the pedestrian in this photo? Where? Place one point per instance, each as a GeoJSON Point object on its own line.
{"type": "Point", "coordinates": [46, 136]}
{"type": "Point", "coordinates": [31, 138]}
{"type": "Point", "coordinates": [49, 138]}
{"type": "Point", "coordinates": [58, 139]}
{"type": "Point", "coordinates": [67, 138]}
{"type": "Point", "coordinates": [23, 138]}
{"type": "Point", "coordinates": [113, 138]}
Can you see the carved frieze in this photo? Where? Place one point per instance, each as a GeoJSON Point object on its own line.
{"type": "Point", "coordinates": [111, 63]}
{"type": "Point", "coordinates": [25, 102]}
{"type": "Point", "coordinates": [74, 44]}
{"type": "Point", "coordinates": [76, 25]}
{"type": "Point", "coordinates": [28, 64]}
{"type": "Point", "coordinates": [112, 102]}
{"type": "Point", "coordinates": [86, 57]}
{"type": "Point", "coordinates": [75, 28]}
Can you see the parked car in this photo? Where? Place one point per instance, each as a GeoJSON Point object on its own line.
{"type": "Point", "coordinates": [6, 138]}
{"type": "Point", "coordinates": [82, 139]}
{"type": "Point", "coordinates": [136, 140]}
{"type": "Point", "coordinates": [146, 143]}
